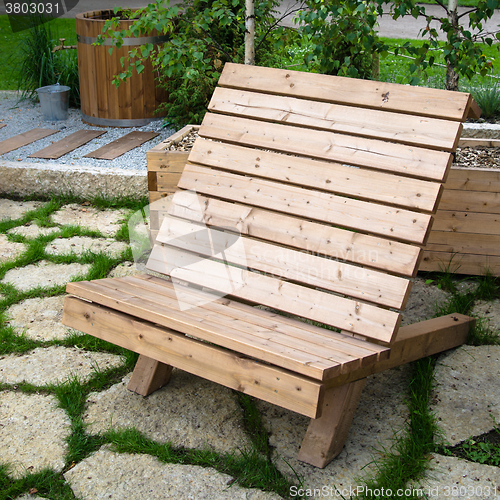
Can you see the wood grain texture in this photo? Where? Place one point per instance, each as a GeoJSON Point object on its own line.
{"type": "Point", "coordinates": [67, 144]}
{"type": "Point", "coordinates": [277, 386]}
{"type": "Point", "coordinates": [356, 151]}
{"type": "Point", "coordinates": [405, 99]}
{"type": "Point", "coordinates": [328, 176]}
{"type": "Point", "coordinates": [20, 140]}
{"type": "Point", "coordinates": [395, 127]}
{"type": "Point", "coordinates": [122, 145]}
{"type": "Point", "coordinates": [148, 376]}
{"type": "Point", "coordinates": [316, 238]}
{"type": "Point", "coordinates": [341, 211]}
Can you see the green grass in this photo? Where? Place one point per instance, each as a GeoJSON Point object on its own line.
{"type": "Point", "coordinates": [10, 47]}
{"type": "Point", "coordinates": [396, 68]}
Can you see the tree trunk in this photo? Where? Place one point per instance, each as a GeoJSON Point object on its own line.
{"type": "Point", "coordinates": [249, 32]}
{"type": "Point", "coordinates": [451, 74]}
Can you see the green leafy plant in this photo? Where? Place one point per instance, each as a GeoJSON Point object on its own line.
{"type": "Point", "coordinates": [342, 34]}
{"type": "Point", "coordinates": [204, 34]}
{"type": "Point", "coordinates": [488, 99]}
{"type": "Point", "coordinates": [40, 66]}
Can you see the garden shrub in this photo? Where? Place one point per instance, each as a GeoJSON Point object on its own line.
{"type": "Point", "coordinates": [205, 34]}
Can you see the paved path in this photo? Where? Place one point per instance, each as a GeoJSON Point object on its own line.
{"type": "Point", "coordinates": [193, 413]}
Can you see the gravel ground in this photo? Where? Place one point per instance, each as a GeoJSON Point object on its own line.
{"type": "Point", "coordinates": [24, 116]}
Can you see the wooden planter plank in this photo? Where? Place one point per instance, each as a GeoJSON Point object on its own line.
{"type": "Point", "coordinates": [452, 242]}
{"type": "Point", "coordinates": [474, 179]}
{"type": "Point", "coordinates": [122, 145]}
{"type": "Point", "coordinates": [461, 263]}
{"type": "Point", "coordinates": [67, 144]}
{"type": "Point", "coordinates": [466, 222]}
{"type": "Point", "coordinates": [471, 201]}
{"type": "Point", "coordinates": [20, 140]}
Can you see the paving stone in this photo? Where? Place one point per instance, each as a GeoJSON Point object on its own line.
{"type": "Point", "coordinates": [16, 209]}
{"type": "Point", "coordinates": [127, 268]}
{"type": "Point", "coordinates": [33, 432]}
{"type": "Point", "coordinates": [79, 244]}
{"type": "Point", "coordinates": [54, 364]}
{"type": "Point", "coordinates": [380, 414]}
{"type": "Point", "coordinates": [39, 318]}
{"type": "Point", "coordinates": [454, 478]}
{"type": "Point", "coordinates": [32, 231]}
{"type": "Point", "coordinates": [107, 475]}
{"type": "Point", "coordinates": [105, 221]}
{"type": "Point", "coordinates": [467, 393]}
{"type": "Point", "coordinates": [189, 411]}
{"type": "Point", "coordinates": [490, 311]}
{"type": "Point", "coordinates": [44, 274]}
{"type": "Point", "coordinates": [9, 250]}
{"type": "Point", "coordinates": [422, 302]}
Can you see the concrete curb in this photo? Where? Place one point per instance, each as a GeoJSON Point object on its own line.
{"type": "Point", "coordinates": [24, 178]}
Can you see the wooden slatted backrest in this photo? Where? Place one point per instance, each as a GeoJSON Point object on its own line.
{"type": "Point", "coordinates": [330, 184]}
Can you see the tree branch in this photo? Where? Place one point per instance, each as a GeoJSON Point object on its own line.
{"type": "Point", "coordinates": [466, 13]}
{"type": "Point", "coordinates": [287, 13]}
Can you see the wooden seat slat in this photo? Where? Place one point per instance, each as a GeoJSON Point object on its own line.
{"type": "Point", "coordinates": [270, 383]}
{"type": "Point", "coordinates": [357, 151]}
{"type": "Point", "coordinates": [394, 223]}
{"type": "Point", "coordinates": [333, 177]}
{"type": "Point", "coordinates": [291, 326]}
{"type": "Point", "coordinates": [312, 270]}
{"type": "Point", "coordinates": [317, 360]}
{"type": "Point", "coordinates": [313, 237]}
{"type": "Point", "coordinates": [217, 333]}
{"type": "Point", "coordinates": [343, 313]}
{"type": "Point", "coordinates": [407, 129]}
{"type": "Point", "coordinates": [405, 99]}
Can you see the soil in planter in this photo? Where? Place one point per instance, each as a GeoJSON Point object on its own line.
{"type": "Point", "coordinates": [480, 156]}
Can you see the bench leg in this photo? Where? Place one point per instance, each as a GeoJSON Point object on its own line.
{"type": "Point", "coordinates": [326, 435]}
{"type": "Point", "coordinates": [148, 376]}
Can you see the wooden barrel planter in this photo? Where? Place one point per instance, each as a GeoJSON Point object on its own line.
{"type": "Point", "coordinates": [135, 101]}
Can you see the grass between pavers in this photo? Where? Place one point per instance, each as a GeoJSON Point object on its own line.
{"type": "Point", "coordinates": [404, 463]}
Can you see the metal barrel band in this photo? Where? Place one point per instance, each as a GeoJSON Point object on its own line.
{"type": "Point", "coordinates": [89, 40]}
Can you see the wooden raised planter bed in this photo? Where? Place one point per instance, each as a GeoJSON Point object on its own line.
{"type": "Point", "coordinates": [465, 237]}
{"type": "Point", "coordinates": [165, 167]}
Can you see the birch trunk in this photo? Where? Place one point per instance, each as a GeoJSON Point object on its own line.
{"type": "Point", "coordinates": [249, 32]}
{"type": "Point", "coordinates": [451, 74]}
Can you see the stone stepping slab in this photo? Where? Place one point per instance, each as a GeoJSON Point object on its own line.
{"type": "Point", "coordinates": [189, 412]}
{"type": "Point", "coordinates": [78, 245]}
{"type": "Point", "coordinates": [12, 210]}
{"type": "Point", "coordinates": [381, 413]}
{"type": "Point", "coordinates": [121, 146]}
{"type": "Point", "coordinates": [67, 144]}
{"type": "Point", "coordinates": [54, 364]}
{"type": "Point", "coordinates": [43, 274]}
{"type": "Point", "coordinates": [32, 231]}
{"type": "Point", "coordinates": [454, 478]}
{"type": "Point", "coordinates": [33, 432]}
{"type": "Point", "coordinates": [39, 318]}
{"type": "Point", "coordinates": [119, 476]}
{"type": "Point", "coordinates": [467, 393]}
{"type": "Point", "coordinates": [9, 250]}
{"type": "Point", "coordinates": [106, 221]}
{"type": "Point", "coordinates": [20, 140]}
